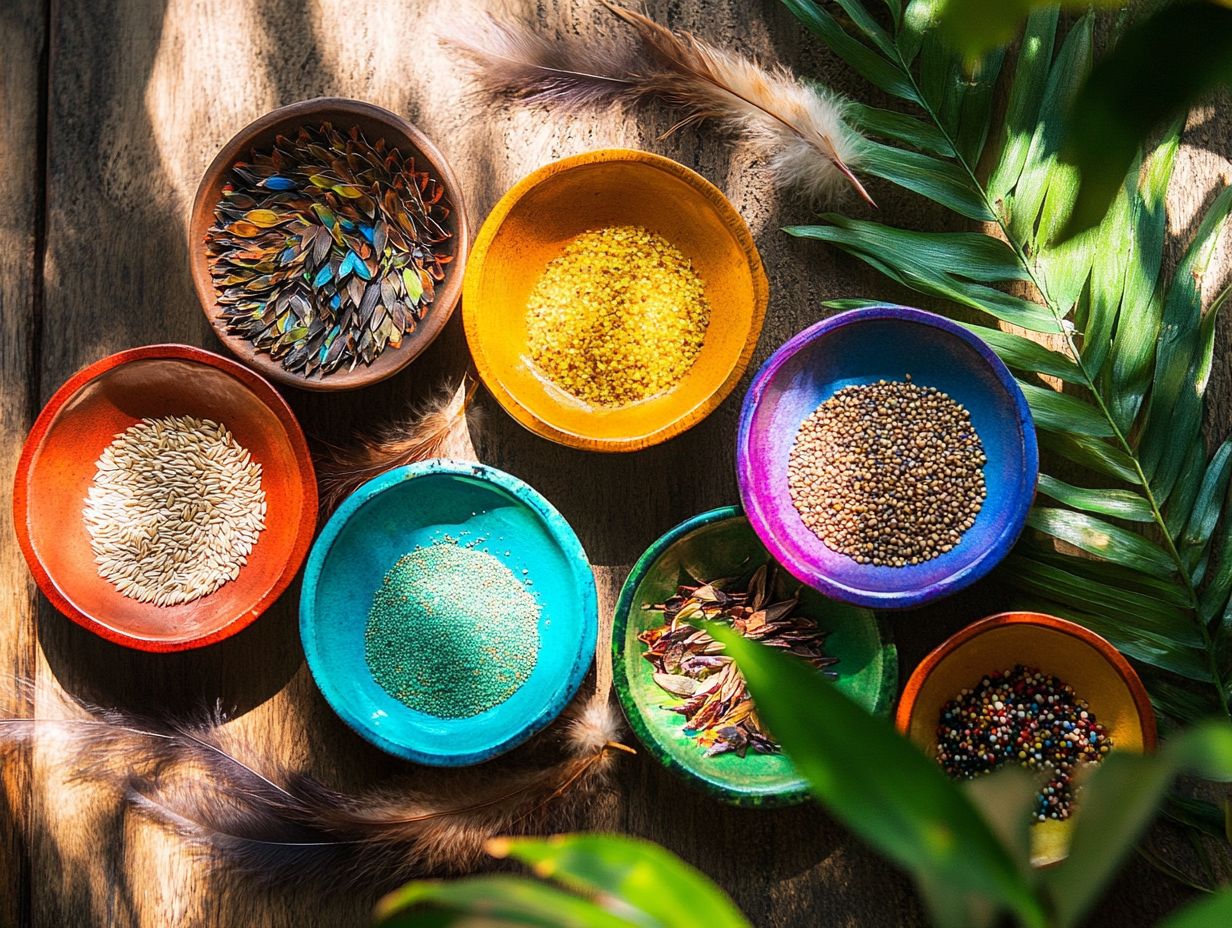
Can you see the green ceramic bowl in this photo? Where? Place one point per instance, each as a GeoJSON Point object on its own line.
{"type": "Point", "coordinates": [720, 543]}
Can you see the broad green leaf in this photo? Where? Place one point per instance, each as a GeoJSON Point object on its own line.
{"type": "Point", "coordinates": [643, 875]}
{"type": "Point", "coordinates": [1068, 71]}
{"type": "Point", "coordinates": [1170, 591]}
{"type": "Point", "coordinates": [1103, 539]}
{"type": "Point", "coordinates": [1030, 76]}
{"type": "Point", "coordinates": [1133, 346]}
{"type": "Point", "coordinates": [499, 900]}
{"type": "Point", "coordinates": [971, 255]}
{"type": "Point", "coordinates": [1187, 425]}
{"type": "Point", "coordinates": [855, 303]}
{"type": "Point", "coordinates": [974, 116]}
{"type": "Point", "coordinates": [1134, 610]}
{"type": "Point", "coordinates": [1108, 266]}
{"type": "Point", "coordinates": [919, 19]}
{"type": "Point", "coordinates": [1120, 504]}
{"type": "Point", "coordinates": [868, 63]}
{"type": "Point", "coordinates": [1174, 411]}
{"type": "Point", "coordinates": [1120, 799]}
{"type": "Point", "coordinates": [1207, 357]}
{"type": "Point", "coordinates": [1093, 454]}
{"type": "Point", "coordinates": [901, 128]}
{"type": "Point", "coordinates": [888, 792]}
{"type": "Point", "coordinates": [1136, 643]}
{"type": "Point", "coordinates": [940, 181]}
{"type": "Point", "coordinates": [906, 269]}
{"type": "Point", "coordinates": [1207, 912]}
{"type": "Point", "coordinates": [869, 26]}
{"type": "Point", "coordinates": [1180, 502]}
{"type": "Point", "coordinates": [1025, 355]}
{"type": "Point", "coordinates": [1005, 798]}
{"type": "Point", "coordinates": [1127, 97]}
{"type": "Point", "coordinates": [1183, 703]}
{"type": "Point", "coordinates": [1205, 816]}
{"type": "Point", "coordinates": [1214, 598]}
{"type": "Point", "coordinates": [948, 909]}
{"type": "Point", "coordinates": [1063, 270]}
{"type": "Point", "coordinates": [976, 27]}
{"type": "Point", "coordinates": [1206, 509]}
{"type": "Point", "coordinates": [1059, 412]}
{"type": "Point", "coordinates": [939, 75]}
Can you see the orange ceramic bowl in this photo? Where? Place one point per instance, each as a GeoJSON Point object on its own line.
{"type": "Point", "coordinates": [57, 466]}
{"type": "Point", "coordinates": [530, 226]}
{"type": "Point", "coordinates": [1093, 667]}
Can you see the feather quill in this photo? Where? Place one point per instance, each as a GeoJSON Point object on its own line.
{"type": "Point", "coordinates": [800, 129]}
{"type": "Point", "coordinates": [278, 825]}
{"type": "Point", "coordinates": [426, 433]}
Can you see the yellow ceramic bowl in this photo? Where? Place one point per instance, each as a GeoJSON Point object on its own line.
{"type": "Point", "coordinates": [530, 226]}
{"type": "Point", "coordinates": [1093, 667]}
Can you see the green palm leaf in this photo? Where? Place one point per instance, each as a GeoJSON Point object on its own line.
{"type": "Point", "coordinates": [1147, 554]}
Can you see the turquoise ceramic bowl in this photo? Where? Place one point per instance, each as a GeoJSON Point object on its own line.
{"type": "Point", "coordinates": [431, 503]}
{"type": "Point", "coordinates": [721, 543]}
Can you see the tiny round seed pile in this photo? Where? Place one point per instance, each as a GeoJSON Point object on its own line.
{"type": "Point", "coordinates": [1025, 717]}
{"type": "Point", "coordinates": [451, 632]}
{"type": "Point", "coordinates": [619, 316]}
{"type": "Point", "coordinates": [889, 473]}
{"type": "Point", "coordinates": [174, 510]}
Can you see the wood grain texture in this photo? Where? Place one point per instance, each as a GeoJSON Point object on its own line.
{"type": "Point", "coordinates": [22, 137]}
{"type": "Point", "coordinates": [136, 100]}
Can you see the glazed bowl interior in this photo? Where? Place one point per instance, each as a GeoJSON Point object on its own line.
{"type": "Point", "coordinates": [716, 544]}
{"type": "Point", "coordinates": [1096, 671]}
{"type": "Point", "coordinates": [531, 225]}
{"type": "Point", "coordinates": [58, 467]}
{"type": "Point", "coordinates": [860, 347]}
{"type": "Point", "coordinates": [375, 123]}
{"type": "Point", "coordinates": [443, 502]}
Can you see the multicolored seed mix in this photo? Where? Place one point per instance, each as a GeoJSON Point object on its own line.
{"type": "Point", "coordinates": [451, 632]}
{"type": "Point", "coordinates": [889, 473]}
{"type": "Point", "coordinates": [1026, 717]}
{"type": "Point", "coordinates": [618, 317]}
{"type": "Point", "coordinates": [719, 713]}
{"type": "Point", "coordinates": [328, 248]}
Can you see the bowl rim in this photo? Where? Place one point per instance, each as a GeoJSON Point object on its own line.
{"type": "Point", "coordinates": [810, 573]}
{"type": "Point", "coordinates": [793, 794]}
{"type": "Point", "coordinates": [562, 534]}
{"type": "Point", "coordinates": [472, 304]}
{"type": "Point", "coordinates": [202, 209]}
{"type": "Point", "coordinates": [1105, 648]}
{"type": "Point", "coordinates": [247, 378]}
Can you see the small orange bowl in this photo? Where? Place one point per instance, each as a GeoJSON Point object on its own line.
{"type": "Point", "coordinates": [1094, 668]}
{"type": "Point", "coordinates": [611, 187]}
{"type": "Point", "coordinates": [57, 466]}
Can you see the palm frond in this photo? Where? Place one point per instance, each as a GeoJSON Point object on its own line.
{"type": "Point", "coordinates": [1146, 527]}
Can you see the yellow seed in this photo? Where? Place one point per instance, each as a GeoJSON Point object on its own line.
{"type": "Point", "coordinates": [619, 316]}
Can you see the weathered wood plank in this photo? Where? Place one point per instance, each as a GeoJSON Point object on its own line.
{"type": "Point", "coordinates": [22, 136]}
{"type": "Point", "coordinates": [139, 101]}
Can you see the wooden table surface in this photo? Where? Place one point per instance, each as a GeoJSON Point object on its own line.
{"type": "Point", "coordinates": [108, 115]}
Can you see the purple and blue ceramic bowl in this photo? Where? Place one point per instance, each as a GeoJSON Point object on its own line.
{"type": "Point", "coordinates": [858, 347]}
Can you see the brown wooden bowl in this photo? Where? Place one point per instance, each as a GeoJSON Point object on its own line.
{"type": "Point", "coordinates": [375, 123]}
{"type": "Point", "coordinates": [57, 467]}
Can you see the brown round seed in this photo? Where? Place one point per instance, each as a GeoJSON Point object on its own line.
{"type": "Point", "coordinates": [904, 459]}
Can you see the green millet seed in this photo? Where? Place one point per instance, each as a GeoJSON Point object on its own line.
{"type": "Point", "coordinates": [451, 632]}
{"type": "Point", "coordinates": [889, 473]}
